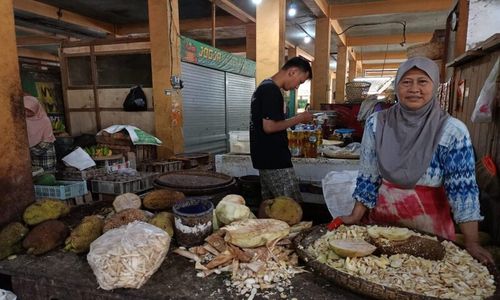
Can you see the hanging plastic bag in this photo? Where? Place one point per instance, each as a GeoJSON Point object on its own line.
{"type": "Point", "coordinates": [338, 187]}
{"type": "Point", "coordinates": [487, 177]}
{"type": "Point", "coordinates": [7, 295]}
{"type": "Point", "coordinates": [136, 100]}
{"type": "Point", "coordinates": [483, 111]}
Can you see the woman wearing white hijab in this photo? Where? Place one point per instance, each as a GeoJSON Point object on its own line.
{"type": "Point", "coordinates": [40, 135]}
{"type": "Point", "coordinates": [417, 164]}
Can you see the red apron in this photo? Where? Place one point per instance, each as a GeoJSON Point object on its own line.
{"type": "Point", "coordinates": [423, 208]}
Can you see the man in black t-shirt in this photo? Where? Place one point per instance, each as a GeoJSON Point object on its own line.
{"type": "Point", "coordinates": [268, 138]}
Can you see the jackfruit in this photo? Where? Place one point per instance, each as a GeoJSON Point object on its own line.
{"type": "Point", "coordinates": [283, 208]}
{"type": "Point", "coordinates": [165, 221]}
{"type": "Point", "coordinates": [84, 234]}
{"type": "Point", "coordinates": [10, 239]}
{"type": "Point", "coordinates": [123, 218]}
{"type": "Point", "coordinates": [127, 200]}
{"type": "Point", "coordinates": [45, 237]}
{"type": "Point", "coordinates": [352, 248]}
{"type": "Point", "coordinates": [162, 199]}
{"type": "Point", "coordinates": [46, 209]}
{"type": "Point", "coordinates": [228, 212]}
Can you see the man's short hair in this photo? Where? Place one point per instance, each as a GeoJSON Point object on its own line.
{"type": "Point", "coordinates": [300, 63]}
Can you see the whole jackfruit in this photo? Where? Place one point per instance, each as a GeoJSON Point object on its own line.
{"type": "Point", "coordinates": [84, 234]}
{"type": "Point", "coordinates": [164, 220]}
{"type": "Point", "coordinates": [284, 209]}
{"type": "Point", "coordinates": [46, 209]}
{"type": "Point", "coordinates": [45, 237]}
{"type": "Point", "coordinates": [123, 218]}
{"type": "Point", "coordinates": [10, 239]}
{"type": "Point", "coordinates": [162, 199]}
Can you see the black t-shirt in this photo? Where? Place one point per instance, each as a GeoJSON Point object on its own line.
{"type": "Point", "coordinates": [268, 151]}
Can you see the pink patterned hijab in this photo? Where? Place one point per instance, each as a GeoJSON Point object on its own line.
{"type": "Point", "coordinates": [39, 126]}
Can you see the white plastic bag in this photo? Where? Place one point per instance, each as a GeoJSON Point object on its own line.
{"type": "Point", "coordinates": [483, 110]}
{"type": "Point", "coordinates": [338, 187]}
{"type": "Point", "coordinates": [127, 256]}
{"type": "Point", "coordinates": [7, 295]}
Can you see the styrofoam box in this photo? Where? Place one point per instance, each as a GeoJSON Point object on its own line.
{"type": "Point", "coordinates": [239, 142]}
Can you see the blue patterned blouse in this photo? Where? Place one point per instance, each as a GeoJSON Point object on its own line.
{"type": "Point", "coordinates": [452, 165]}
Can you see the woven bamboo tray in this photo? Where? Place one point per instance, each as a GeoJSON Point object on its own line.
{"type": "Point", "coordinates": [354, 283]}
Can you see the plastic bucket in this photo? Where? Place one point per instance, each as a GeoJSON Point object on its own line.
{"type": "Point", "coordinates": [193, 221]}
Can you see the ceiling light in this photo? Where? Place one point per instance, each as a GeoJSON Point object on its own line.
{"type": "Point", "coordinates": [307, 39]}
{"type": "Point", "coordinates": [256, 2]}
{"type": "Point", "coordinates": [292, 10]}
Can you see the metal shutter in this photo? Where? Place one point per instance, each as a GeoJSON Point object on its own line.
{"type": "Point", "coordinates": [239, 91]}
{"type": "Point", "coordinates": [204, 108]}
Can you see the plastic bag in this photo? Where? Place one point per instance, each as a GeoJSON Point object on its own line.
{"type": "Point", "coordinates": [338, 187]}
{"type": "Point", "coordinates": [7, 295]}
{"type": "Point", "coordinates": [127, 256]}
{"type": "Point", "coordinates": [135, 100]}
{"type": "Point", "coordinates": [483, 110]}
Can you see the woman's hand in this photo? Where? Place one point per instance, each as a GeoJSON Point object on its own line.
{"type": "Point", "coordinates": [479, 253]}
{"type": "Point", "coordinates": [471, 243]}
{"type": "Point", "coordinates": [357, 214]}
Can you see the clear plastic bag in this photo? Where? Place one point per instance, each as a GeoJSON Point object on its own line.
{"type": "Point", "coordinates": [7, 295]}
{"type": "Point", "coordinates": [127, 256]}
{"type": "Point", "coordinates": [483, 111]}
{"type": "Point", "coordinates": [338, 187]}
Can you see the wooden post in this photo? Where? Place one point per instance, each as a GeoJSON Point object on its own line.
{"type": "Point", "coordinates": [341, 74]}
{"type": "Point", "coordinates": [270, 36]}
{"type": "Point", "coordinates": [320, 88]}
{"type": "Point", "coordinates": [352, 69]}
{"type": "Point", "coordinates": [93, 68]}
{"type": "Point", "coordinates": [461, 33]}
{"type": "Point", "coordinates": [359, 68]}
{"type": "Point", "coordinates": [214, 10]}
{"type": "Point", "coordinates": [165, 63]}
{"type": "Point", "coordinates": [16, 183]}
{"type": "Point", "coordinates": [250, 43]}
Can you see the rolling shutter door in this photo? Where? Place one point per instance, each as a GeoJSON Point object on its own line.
{"type": "Point", "coordinates": [239, 91]}
{"type": "Point", "coordinates": [204, 109]}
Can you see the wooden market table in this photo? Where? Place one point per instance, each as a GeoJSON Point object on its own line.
{"type": "Point", "coordinates": [60, 275]}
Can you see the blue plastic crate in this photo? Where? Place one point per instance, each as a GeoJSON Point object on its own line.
{"type": "Point", "coordinates": [61, 190]}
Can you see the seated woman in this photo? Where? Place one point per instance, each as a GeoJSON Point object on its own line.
{"type": "Point", "coordinates": [40, 136]}
{"type": "Point", "coordinates": [417, 164]}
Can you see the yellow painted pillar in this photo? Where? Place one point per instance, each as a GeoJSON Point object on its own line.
{"type": "Point", "coordinates": [359, 68]}
{"type": "Point", "coordinates": [270, 38]}
{"type": "Point", "coordinates": [15, 163]}
{"type": "Point", "coordinates": [320, 85]}
{"type": "Point", "coordinates": [250, 41]}
{"type": "Point", "coordinates": [165, 63]}
{"type": "Point", "coordinates": [340, 77]}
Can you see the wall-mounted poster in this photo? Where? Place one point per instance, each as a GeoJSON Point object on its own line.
{"type": "Point", "coordinates": [47, 96]}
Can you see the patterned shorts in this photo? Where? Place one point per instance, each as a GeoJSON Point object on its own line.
{"type": "Point", "coordinates": [279, 182]}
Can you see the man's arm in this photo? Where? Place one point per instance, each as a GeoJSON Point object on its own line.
{"type": "Point", "coordinates": [271, 126]}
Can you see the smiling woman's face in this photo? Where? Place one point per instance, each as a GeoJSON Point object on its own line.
{"type": "Point", "coordinates": [415, 89]}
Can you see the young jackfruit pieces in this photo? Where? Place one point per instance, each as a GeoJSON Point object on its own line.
{"type": "Point", "coordinates": [283, 208]}
{"type": "Point", "coordinates": [123, 218]}
{"type": "Point", "coordinates": [162, 199]}
{"type": "Point", "coordinates": [352, 248]}
{"type": "Point", "coordinates": [164, 220]}
{"type": "Point", "coordinates": [84, 234]}
{"type": "Point", "coordinates": [46, 209]}
{"type": "Point", "coordinates": [10, 239]}
{"type": "Point", "coordinates": [45, 236]}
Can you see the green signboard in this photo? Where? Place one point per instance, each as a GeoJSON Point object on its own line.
{"type": "Point", "coordinates": [205, 55]}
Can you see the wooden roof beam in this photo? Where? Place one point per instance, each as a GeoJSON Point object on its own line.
{"type": "Point", "coordinates": [383, 55]}
{"type": "Point", "coordinates": [37, 41]}
{"type": "Point", "coordinates": [31, 53]}
{"type": "Point", "coordinates": [381, 66]}
{"type": "Point", "coordinates": [388, 39]}
{"type": "Point", "coordinates": [340, 11]}
{"type": "Point", "coordinates": [52, 12]}
{"type": "Point", "coordinates": [234, 10]}
{"type": "Point", "coordinates": [321, 9]}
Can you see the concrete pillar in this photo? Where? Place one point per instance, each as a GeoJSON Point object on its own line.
{"type": "Point", "coordinates": [16, 184]}
{"type": "Point", "coordinates": [250, 44]}
{"type": "Point", "coordinates": [165, 63]}
{"type": "Point", "coordinates": [270, 38]}
{"type": "Point", "coordinates": [320, 89]}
